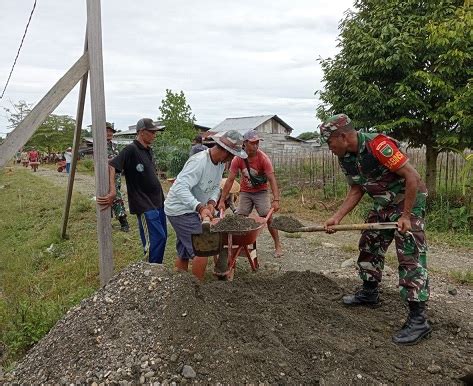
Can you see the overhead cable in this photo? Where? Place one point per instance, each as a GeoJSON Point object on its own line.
{"type": "Point", "coordinates": [19, 49]}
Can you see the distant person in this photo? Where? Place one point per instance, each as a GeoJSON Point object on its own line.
{"type": "Point", "coordinates": [118, 206]}
{"type": "Point", "coordinates": [18, 157]}
{"type": "Point", "coordinates": [193, 197]}
{"type": "Point", "coordinates": [24, 158]}
{"type": "Point", "coordinates": [145, 194]}
{"type": "Point", "coordinates": [33, 159]}
{"type": "Point", "coordinates": [68, 158]}
{"type": "Point", "coordinates": [373, 164]}
{"type": "Point", "coordinates": [256, 174]}
{"type": "Point", "coordinates": [197, 146]}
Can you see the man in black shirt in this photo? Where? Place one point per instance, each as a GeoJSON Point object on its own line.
{"type": "Point", "coordinates": [145, 194]}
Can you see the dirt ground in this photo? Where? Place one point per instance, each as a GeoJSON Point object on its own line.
{"type": "Point", "coordinates": [283, 324]}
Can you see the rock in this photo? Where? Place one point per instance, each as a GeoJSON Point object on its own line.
{"type": "Point", "coordinates": [198, 357]}
{"type": "Point", "coordinates": [348, 263]}
{"type": "Point", "coordinates": [434, 369]}
{"type": "Point", "coordinates": [173, 357]}
{"type": "Point", "coordinates": [188, 372]}
{"type": "Point", "coordinates": [329, 245]}
{"type": "Point", "coordinates": [452, 291]}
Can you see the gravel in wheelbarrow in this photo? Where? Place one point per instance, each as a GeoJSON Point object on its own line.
{"type": "Point", "coordinates": [235, 223]}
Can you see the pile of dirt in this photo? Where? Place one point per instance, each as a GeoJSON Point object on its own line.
{"type": "Point", "coordinates": [286, 223]}
{"type": "Point", "coordinates": [150, 325]}
{"type": "Point", "coordinates": [234, 223]}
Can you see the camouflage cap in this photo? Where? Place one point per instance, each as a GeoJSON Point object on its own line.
{"type": "Point", "coordinates": [335, 122]}
{"type": "Point", "coordinates": [109, 126]}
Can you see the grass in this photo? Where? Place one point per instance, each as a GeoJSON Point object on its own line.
{"type": "Point", "coordinates": [42, 275]}
{"type": "Point", "coordinates": [462, 277]}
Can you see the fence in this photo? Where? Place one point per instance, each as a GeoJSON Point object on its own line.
{"type": "Point", "coordinates": [319, 169]}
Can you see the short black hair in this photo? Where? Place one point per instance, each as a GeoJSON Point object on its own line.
{"type": "Point", "coordinates": [198, 139]}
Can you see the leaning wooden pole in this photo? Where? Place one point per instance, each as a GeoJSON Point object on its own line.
{"type": "Point", "coordinates": [45, 106]}
{"type": "Point", "coordinates": [97, 97]}
{"type": "Point", "coordinates": [75, 146]}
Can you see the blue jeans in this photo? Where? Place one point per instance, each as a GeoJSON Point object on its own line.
{"type": "Point", "coordinates": [68, 167]}
{"type": "Point", "coordinates": [153, 233]}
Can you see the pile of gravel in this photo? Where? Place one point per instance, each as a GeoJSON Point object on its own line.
{"type": "Point", "coordinates": [150, 325]}
{"type": "Point", "coordinates": [235, 223]}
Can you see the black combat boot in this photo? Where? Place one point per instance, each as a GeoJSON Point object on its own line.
{"type": "Point", "coordinates": [416, 326]}
{"type": "Point", "coordinates": [368, 295]}
{"type": "Point", "coordinates": [124, 224]}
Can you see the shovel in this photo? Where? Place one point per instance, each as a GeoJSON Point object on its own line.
{"type": "Point", "coordinates": [206, 243]}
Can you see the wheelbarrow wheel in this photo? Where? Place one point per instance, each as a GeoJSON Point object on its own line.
{"type": "Point", "coordinates": [221, 265]}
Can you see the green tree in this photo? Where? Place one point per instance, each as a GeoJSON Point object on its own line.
{"type": "Point", "coordinates": [308, 135]}
{"type": "Point", "coordinates": [406, 67]}
{"type": "Point", "coordinates": [174, 143]}
{"type": "Point", "coordinates": [55, 133]}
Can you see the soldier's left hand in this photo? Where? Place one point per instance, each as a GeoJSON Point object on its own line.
{"type": "Point", "coordinates": [404, 224]}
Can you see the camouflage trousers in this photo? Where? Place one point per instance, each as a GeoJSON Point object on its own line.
{"type": "Point", "coordinates": [411, 249]}
{"type": "Point", "coordinates": [118, 206]}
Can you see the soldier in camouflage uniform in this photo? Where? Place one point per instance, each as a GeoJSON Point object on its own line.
{"type": "Point", "coordinates": [374, 164]}
{"type": "Point", "coordinates": [118, 206]}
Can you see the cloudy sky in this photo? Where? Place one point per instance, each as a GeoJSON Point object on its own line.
{"type": "Point", "coordinates": [231, 59]}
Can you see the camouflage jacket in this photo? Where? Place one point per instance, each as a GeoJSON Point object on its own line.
{"type": "Point", "coordinates": [373, 168]}
{"type": "Point", "coordinates": [112, 149]}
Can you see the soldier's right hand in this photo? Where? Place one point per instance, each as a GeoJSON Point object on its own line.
{"type": "Point", "coordinates": [329, 222]}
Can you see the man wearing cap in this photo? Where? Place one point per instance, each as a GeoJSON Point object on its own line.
{"type": "Point", "coordinates": [197, 146]}
{"type": "Point", "coordinates": [256, 172]}
{"type": "Point", "coordinates": [118, 206]}
{"type": "Point", "coordinates": [374, 164]}
{"type": "Point", "coordinates": [145, 194]}
{"type": "Point", "coordinates": [193, 195]}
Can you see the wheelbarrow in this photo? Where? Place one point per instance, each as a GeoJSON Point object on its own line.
{"type": "Point", "coordinates": [238, 243]}
{"type": "Point", "coordinates": [61, 166]}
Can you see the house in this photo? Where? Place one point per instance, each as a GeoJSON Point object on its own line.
{"type": "Point", "coordinates": [127, 136]}
{"type": "Point", "coordinates": [276, 133]}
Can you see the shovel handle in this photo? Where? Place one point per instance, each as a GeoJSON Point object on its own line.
{"type": "Point", "coordinates": [350, 227]}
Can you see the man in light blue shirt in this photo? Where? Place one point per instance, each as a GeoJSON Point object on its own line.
{"type": "Point", "coordinates": [193, 196]}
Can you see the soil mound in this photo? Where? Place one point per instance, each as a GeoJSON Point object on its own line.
{"type": "Point", "coordinates": [150, 325]}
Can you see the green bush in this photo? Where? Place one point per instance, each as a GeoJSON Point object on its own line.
{"type": "Point", "coordinates": [176, 162]}
{"type": "Point", "coordinates": [85, 165]}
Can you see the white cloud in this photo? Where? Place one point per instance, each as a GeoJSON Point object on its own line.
{"type": "Point", "coordinates": [230, 58]}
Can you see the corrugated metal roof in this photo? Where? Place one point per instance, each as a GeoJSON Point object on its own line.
{"type": "Point", "coordinates": [244, 124]}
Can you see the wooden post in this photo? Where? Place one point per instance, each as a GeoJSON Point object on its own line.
{"type": "Point", "coordinates": [75, 146]}
{"type": "Point", "coordinates": [97, 96]}
{"type": "Point", "coordinates": [36, 117]}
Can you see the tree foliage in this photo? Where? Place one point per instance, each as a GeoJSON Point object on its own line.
{"type": "Point", "coordinates": [174, 143]}
{"type": "Point", "coordinates": [308, 135]}
{"type": "Point", "coordinates": [55, 133]}
{"type": "Point", "coordinates": [405, 67]}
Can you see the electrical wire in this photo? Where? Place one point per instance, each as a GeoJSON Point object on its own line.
{"type": "Point", "coordinates": [19, 49]}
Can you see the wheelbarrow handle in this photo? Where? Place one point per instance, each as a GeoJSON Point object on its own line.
{"type": "Point", "coordinates": [268, 216]}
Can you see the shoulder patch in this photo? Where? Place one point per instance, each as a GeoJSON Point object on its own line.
{"type": "Point", "coordinates": [386, 150]}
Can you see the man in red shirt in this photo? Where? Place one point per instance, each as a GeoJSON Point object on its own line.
{"type": "Point", "coordinates": [256, 172]}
